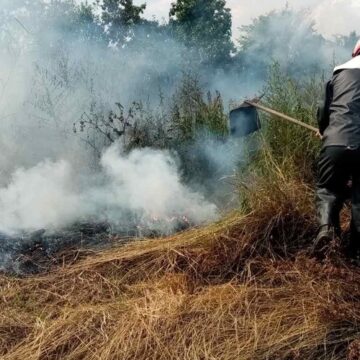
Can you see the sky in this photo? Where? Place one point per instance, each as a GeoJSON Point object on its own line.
{"type": "Point", "coordinates": [331, 16]}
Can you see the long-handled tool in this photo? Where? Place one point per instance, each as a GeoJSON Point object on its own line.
{"type": "Point", "coordinates": [244, 119]}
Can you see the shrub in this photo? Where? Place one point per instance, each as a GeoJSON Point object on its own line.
{"type": "Point", "coordinates": [192, 112]}
{"type": "Point", "coordinates": [292, 148]}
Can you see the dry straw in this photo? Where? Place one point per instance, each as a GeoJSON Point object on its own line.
{"type": "Point", "coordinates": [242, 288]}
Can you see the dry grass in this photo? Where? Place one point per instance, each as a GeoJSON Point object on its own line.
{"type": "Point", "coordinates": [238, 289]}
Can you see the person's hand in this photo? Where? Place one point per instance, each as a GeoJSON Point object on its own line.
{"type": "Point", "coordinates": [319, 135]}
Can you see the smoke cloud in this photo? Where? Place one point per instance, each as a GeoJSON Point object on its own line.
{"type": "Point", "coordinates": [148, 183]}
{"type": "Point", "coordinates": [51, 177]}
{"type": "Point", "coordinates": [144, 183]}
{"type": "Point", "coordinates": [39, 197]}
{"type": "Point", "coordinates": [50, 76]}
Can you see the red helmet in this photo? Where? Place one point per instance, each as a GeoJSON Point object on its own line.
{"type": "Point", "coordinates": [356, 51]}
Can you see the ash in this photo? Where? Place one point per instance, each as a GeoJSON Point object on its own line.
{"type": "Point", "coordinates": [40, 251]}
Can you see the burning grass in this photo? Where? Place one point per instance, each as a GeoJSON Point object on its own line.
{"type": "Point", "coordinates": [242, 288]}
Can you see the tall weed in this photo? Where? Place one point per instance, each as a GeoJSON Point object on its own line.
{"type": "Point", "coordinates": [292, 148]}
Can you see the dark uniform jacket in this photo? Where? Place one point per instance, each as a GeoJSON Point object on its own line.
{"type": "Point", "coordinates": [339, 114]}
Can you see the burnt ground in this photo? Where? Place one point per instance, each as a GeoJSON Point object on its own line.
{"type": "Point", "coordinates": [39, 251]}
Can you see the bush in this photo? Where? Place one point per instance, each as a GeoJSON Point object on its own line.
{"type": "Point", "coordinates": [291, 148]}
{"type": "Point", "coordinates": [178, 123]}
{"type": "Point", "coordinates": [192, 112]}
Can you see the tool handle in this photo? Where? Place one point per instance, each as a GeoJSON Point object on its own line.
{"type": "Point", "coordinates": [283, 116]}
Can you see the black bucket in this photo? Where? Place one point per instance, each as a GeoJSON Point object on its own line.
{"type": "Point", "coordinates": [244, 120]}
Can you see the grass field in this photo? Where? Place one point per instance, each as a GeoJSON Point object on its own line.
{"type": "Point", "coordinates": [243, 288]}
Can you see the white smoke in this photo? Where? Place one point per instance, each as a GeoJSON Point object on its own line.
{"type": "Point", "coordinates": [51, 177]}
{"type": "Point", "coordinates": [148, 182]}
{"type": "Point", "coordinates": [144, 183]}
{"type": "Point", "coordinates": [39, 197]}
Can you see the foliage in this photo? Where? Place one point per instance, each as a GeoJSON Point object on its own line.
{"type": "Point", "coordinates": [136, 126]}
{"type": "Point", "coordinates": [76, 23]}
{"type": "Point", "coordinates": [292, 148]}
{"type": "Point", "coordinates": [197, 118]}
{"type": "Point", "coordinates": [192, 112]}
{"type": "Point", "coordinates": [143, 125]}
{"type": "Point", "coordinates": [119, 18]}
{"type": "Point", "coordinates": [205, 27]}
{"type": "Point", "coordinates": [272, 38]}
{"type": "Point", "coordinates": [178, 124]}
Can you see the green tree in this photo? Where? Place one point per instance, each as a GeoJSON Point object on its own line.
{"type": "Point", "coordinates": [120, 18]}
{"type": "Point", "coordinates": [286, 37]}
{"type": "Point", "coordinates": [88, 23]}
{"type": "Point", "coordinates": [205, 27]}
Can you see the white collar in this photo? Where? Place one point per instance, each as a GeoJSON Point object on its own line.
{"type": "Point", "coordinates": [352, 64]}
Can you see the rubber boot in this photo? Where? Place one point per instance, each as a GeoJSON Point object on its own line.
{"type": "Point", "coordinates": [325, 236]}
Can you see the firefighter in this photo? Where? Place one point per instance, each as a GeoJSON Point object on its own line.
{"type": "Point", "coordinates": [339, 160]}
